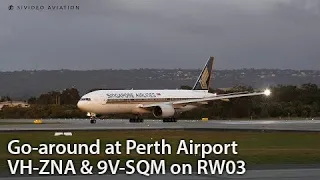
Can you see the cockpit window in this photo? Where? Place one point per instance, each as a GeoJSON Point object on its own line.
{"type": "Point", "coordinates": [85, 99]}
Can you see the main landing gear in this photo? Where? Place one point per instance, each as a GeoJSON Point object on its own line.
{"type": "Point", "coordinates": [172, 119]}
{"type": "Point", "coordinates": [136, 119]}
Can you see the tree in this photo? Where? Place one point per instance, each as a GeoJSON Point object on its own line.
{"type": "Point", "coordinates": [69, 96]}
{"type": "Point", "coordinates": [32, 100]}
{"type": "Point", "coordinates": [185, 87]}
{"type": "Point", "coordinates": [5, 98]}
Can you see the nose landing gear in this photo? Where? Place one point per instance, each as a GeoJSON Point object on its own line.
{"type": "Point", "coordinates": [92, 117]}
{"type": "Point", "coordinates": [93, 121]}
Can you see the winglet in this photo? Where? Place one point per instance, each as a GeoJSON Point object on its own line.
{"type": "Point", "coordinates": [203, 81]}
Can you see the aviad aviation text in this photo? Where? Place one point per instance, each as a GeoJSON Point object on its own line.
{"type": "Point", "coordinates": [205, 165]}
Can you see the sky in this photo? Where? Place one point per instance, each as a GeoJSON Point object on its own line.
{"type": "Point", "coordinates": [130, 34]}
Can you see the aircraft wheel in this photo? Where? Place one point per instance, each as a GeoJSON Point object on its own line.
{"type": "Point", "coordinates": [132, 120]}
{"type": "Point", "coordinates": [135, 120]}
{"type": "Point", "coordinates": [93, 121]}
{"type": "Point", "coordinates": [170, 119]}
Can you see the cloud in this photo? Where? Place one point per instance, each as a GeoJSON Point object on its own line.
{"type": "Point", "coordinates": [161, 34]}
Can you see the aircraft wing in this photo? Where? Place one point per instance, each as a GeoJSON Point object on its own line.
{"type": "Point", "coordinates": [214, 98]}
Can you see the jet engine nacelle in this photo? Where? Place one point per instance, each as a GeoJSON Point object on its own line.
{"type": "Point", "coordinates": [163, 111]}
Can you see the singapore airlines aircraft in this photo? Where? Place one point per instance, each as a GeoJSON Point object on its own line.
{"type": "Point", "coordinates": [164, 104]}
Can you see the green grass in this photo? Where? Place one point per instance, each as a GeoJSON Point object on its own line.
{"type": "Point", "coordinates": [254, 147]}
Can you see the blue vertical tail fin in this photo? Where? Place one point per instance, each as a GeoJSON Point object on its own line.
{"type": "Point", "coordinates": [203, 81]}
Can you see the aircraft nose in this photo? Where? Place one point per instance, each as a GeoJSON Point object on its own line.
{"type": "Point", "coordinates": [80, 105]}
{"type": "Point", "coordinates": [84, 103]}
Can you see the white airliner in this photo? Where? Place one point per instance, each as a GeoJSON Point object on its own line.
{"type": "Point", "coordinates": [164, 104]}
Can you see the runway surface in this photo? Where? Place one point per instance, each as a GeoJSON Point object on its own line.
{"type": "Point", "coordinates": [84, 124]}
{"type": "Point", "coordinates": [282, 174]}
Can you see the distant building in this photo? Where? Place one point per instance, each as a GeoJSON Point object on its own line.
{"type": "Point", "coordinates": [14, 104]}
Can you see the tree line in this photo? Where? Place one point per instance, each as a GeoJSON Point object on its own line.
{"type": "Point", "coordinates": [285, 102]}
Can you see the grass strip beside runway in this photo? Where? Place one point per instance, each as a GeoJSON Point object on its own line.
{"type": "Point", "coordinates": [254, 147]}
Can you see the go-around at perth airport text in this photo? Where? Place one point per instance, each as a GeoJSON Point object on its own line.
{"type": "Point", "coordinates": [108, 166]}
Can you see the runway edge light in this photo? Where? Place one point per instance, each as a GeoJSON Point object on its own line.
{"type": "Point", "coordinates": [37, 121]}
{"type": "Point", "coordinates": [205, 119]}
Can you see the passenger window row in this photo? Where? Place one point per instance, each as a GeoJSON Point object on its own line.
{"type": "Point", "coordinates": [85, 99]}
